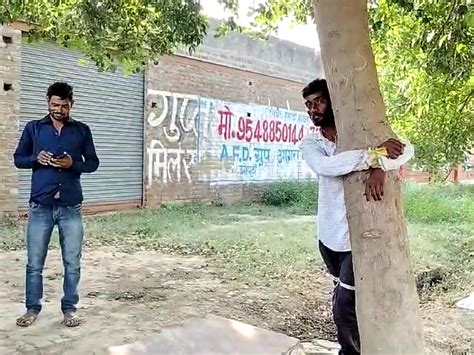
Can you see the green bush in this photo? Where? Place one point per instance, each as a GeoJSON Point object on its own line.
{"type": "Point", "coordinates": [302, 195]}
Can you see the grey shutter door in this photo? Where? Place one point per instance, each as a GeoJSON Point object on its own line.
{"type": "Point", "coordinates": [111, 104]}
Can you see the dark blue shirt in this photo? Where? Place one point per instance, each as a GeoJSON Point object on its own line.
{"type": "Point", "coordinates": [50, 185]}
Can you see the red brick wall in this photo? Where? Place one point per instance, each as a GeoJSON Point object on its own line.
{"type": "Point", "coordinates": [457, 175]}
{"type": "Point", "coordinates": [195, 77]}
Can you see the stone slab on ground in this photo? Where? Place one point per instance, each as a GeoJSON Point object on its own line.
{"type": "Point", "coordinates": [466, 303]}
{"type": "Point", "coordinates": [211, 335]}
{"type": "Point", "coordinates": [320, 347]}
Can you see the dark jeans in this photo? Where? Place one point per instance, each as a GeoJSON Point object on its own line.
{"type": "Point", "coordinates": [343, 301]}
{"type": "Point", "coordinates": [41, 221]}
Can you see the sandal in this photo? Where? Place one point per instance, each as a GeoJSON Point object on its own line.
{"type": "Point", "coordinates": [27, 319]}
{"type": "Point", "coordinates": [71, 320]}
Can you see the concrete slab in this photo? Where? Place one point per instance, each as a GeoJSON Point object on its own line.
{"type": "Point", "coordinates": [212, 335]}
{"type": "Point", "coordinates": [320, 347]}
{"type": "Point", "coordinates": [467, 303]}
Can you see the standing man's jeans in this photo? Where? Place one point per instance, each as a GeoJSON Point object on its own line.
{"type": "Point", "coordinates": [41, 222]}
{"type": "Point", "coordinates": [340, 266]}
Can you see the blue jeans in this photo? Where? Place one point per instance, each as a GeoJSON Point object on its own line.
{"type": "Point", "coordinates": [41, 221]}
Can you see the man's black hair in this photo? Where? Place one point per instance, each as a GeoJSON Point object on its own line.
{"type": "Point", "coordinates": [60, 89]}
{"type": "Point", "coordinates": [320, 85]}
{"type": "Point", "coordinates": [317, 85]}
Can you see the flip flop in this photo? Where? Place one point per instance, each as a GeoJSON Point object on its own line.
{"type": "Point", "coordinates": [71, 320]}
{"type": "Point", "coordinates": [27, 319]}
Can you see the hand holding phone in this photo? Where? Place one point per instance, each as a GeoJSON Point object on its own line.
{"type": "Point", "coordinates": [59, 156]}
{"type": "Point", "coordinates": [62, 161]}
{"type": "Point", "coordinates": [44, 157]}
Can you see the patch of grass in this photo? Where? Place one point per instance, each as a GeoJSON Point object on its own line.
{"type": "Point", "coordinates": [423, 203]}
{"type": "Point", "coordinates": [439, 203]}
{"type": "Point", "coordinates": [250, 239]}
{"type": "Point", "coordinates": [449, 248]}
{"type": "Point", "coordinates": [12, 236]}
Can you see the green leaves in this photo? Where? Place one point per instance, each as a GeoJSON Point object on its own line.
{"type": "Point", "coordinates": [445, 23]}
{"type": "Point", "coordinates": [266, 16]}
{"type": "Point", "coordinates": [426, 101]}
{"type": "Point", "coordinates": [113, 32]}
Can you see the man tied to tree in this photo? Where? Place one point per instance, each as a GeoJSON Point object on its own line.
{"type": "Point", "coordinates": [58, 149]}
{"type": "Point", "coordinates": [319, 152]}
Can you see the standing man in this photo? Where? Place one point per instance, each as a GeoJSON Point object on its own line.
{"type": "Point", "coordinates": [58, 149]}
{"type": "Point", "coordinates": [319, 152]}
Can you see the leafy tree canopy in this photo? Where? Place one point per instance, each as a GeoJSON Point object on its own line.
{"type": "Point", "coordinates": [112, 32]}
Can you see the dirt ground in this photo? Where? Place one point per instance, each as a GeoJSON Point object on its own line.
{"type": "Point", "coordinates": [127, 296]}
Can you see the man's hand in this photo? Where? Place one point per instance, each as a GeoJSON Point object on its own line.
{"type": "Point", "coordinates": [44, 157]}
{"type": "Point", "coordinates": [394, 148]}
{"type": "Point", "coordinates": [374, 185]}
{"type": "Point", "coordinates": [62, 163]}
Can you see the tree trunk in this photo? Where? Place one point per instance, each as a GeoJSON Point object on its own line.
{"type": "Point", "coordinates": [387, 302]}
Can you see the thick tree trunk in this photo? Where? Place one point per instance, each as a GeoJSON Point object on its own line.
{"type": "Point", "coordinates": [387, 302]}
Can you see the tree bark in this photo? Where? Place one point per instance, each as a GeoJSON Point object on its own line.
{"type": "Point", "coordinates": [387, 302]}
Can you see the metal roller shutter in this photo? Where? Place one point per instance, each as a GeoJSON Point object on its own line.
{"type": "Point", "coordinates": [110, 103]}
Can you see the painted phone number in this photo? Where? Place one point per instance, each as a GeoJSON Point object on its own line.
{"type": "Point", "coordinates": [262, 130]}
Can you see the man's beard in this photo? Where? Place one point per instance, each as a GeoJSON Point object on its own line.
{"type": "Point", "coordinates": [57, 116]}
{"type": "Point", "coordinates": [326, 121]}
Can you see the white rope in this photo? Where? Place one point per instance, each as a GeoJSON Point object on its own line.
{"type": "Point", "coordinates": [343, 285]}
{"type": "Point", "coordinates": [346, 286]}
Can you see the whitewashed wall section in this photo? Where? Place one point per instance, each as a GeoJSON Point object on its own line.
{"type": "Point", "coordinates": [171, 134]}
{"type": "Point", "coordinates": [252, 143]}
{"type": "Point", "coordinates": [196, 139]}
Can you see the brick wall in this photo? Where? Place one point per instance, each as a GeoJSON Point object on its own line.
{"type": "Point", "coordinates": [10, 41]}
{"type": "Point", "coordinates": [463, 174]}
{"type": "Point", "coordinates": [185, 81]}
{"type": "Point", "coordinates": [196, 77]}
{"type": "Point", "coordinates": [275, 57]}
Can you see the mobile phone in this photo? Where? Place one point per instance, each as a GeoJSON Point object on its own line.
{"type": "Point", "coordinates": [59, 156]}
